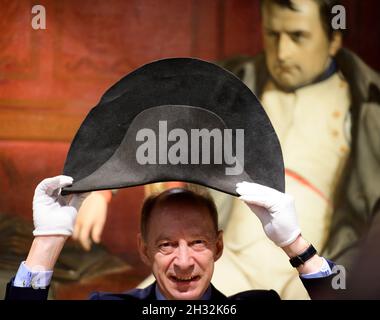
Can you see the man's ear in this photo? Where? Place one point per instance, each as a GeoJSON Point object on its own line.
{"type": "Point", "coordinates": [335, 43]}
{"type": "Point", "coordinates": [219, 245]}
{"type": "Point", "coordinates": [143, 250]}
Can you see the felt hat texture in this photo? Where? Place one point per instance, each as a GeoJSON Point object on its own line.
{"type": "Point", "coordinates": [177, 119]}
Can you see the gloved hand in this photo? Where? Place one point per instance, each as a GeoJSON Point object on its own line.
{"type": "Point", "coordinates": [275, 210]}
{"type": "Point", "coordinates": [54, 214]}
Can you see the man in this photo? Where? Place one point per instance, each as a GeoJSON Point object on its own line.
{"type": "Point", "coordinates": [179, 240]}
{"type": "Point", "coordinates": [324, 104]}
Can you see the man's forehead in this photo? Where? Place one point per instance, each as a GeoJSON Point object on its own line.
{"type": "Point", "coordinates": [281, 18]}
{"type": "Point", "coordinates": [191, 233]}
{"type": "Point", "coordinates": [181, 231]}
{"type": "Point", "coordinates": [174, 219]}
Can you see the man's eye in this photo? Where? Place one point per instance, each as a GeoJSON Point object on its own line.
{"type": "Point", "coordinates": [272, 34]}
{"type": "Point", "coordinates": [297, 36]}
{"type": "Point", "coordinates": [199, 244]}
{"type": "Point", "coordinates": [166, 247]}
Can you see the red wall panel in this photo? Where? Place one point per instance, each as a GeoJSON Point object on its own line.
{"type": "Point", "coordinates": [56, 75]}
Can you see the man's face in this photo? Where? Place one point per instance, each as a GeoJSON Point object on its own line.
{"type": "Point", "coordinates": [181, 248]}
{"type": "Point", "coordinates": [296, 45]}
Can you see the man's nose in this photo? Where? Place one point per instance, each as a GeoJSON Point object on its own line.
{"type": "Point", "coordinates": [184, 259]}
{"type": "Point", "coordinates": [284, 47]}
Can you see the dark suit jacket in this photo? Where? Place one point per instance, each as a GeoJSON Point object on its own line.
{"type": "Point", "coordinates": [148, 293]}
{"type": "Point", "coordinates": [317, 289]}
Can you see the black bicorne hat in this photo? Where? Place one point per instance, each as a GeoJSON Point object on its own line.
{"type": "Point", "coordinates": [179, 119]}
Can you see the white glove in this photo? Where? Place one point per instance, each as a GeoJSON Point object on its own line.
{"type": "Point", "coordinates": [275, 210]}
{"type": "Point", "coordinates": [54, 214]}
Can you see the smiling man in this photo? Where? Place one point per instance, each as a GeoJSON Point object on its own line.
{"type": "Point", "coordinates": [179, 240]}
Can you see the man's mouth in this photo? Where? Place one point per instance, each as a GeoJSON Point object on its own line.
{"type": "Point", "coordinates": [184, 279]}
{"type": "Point", "coordinates": [283, 69]}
